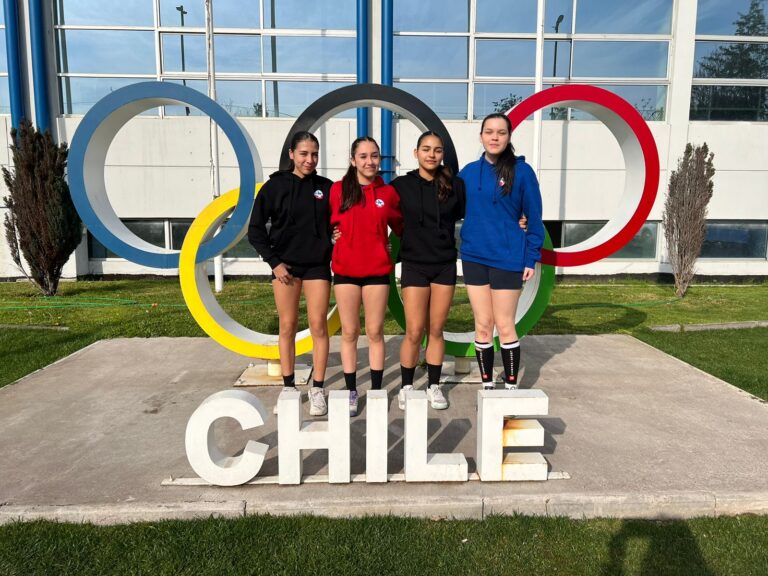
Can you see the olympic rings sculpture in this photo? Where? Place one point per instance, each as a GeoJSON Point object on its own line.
{"type": "Point", "coordinates": [104, 120]}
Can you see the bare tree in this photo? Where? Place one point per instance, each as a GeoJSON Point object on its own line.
{"type": "Point", "coordinates": [685, 212]}
{"type": "Point", "coordinates": [41, 225]}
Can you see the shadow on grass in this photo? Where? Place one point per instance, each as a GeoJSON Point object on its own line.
{"type": "Point", "coordinates": [661, 547]}
{"type": "Point", "coordinates": [590, 318]}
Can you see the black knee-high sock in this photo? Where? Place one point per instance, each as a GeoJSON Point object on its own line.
{"type": "Point", "coordinates": [289, 381]}
{"type": "Point", "coordinates": [510, 355]}
{"type": "Point", "coordinates": [433, 373]}
{"type": "Point", "coordinates": [484, 353]}
{"type": "Point", "coordinates": [376, 377]}
{"type": "Point", "coordinates": [350, 379]}
{"type": "Point", "coordinates": [406, 375]}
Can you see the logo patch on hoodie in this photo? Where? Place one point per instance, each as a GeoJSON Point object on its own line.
{"type": "Point", "coordinates": [319, 194]}
{"type": "Point", "coordinates": [501, 182]}
{"type": "Point", "coordinates": [379, 202]}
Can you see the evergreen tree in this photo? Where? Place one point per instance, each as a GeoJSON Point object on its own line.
{"type": "Point", "coordinates": [42, 226]}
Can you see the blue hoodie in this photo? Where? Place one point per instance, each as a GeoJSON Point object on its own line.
{"type": "Point", "coordinates": [491, 234]}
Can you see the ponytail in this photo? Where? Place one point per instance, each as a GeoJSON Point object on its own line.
{"type": "Point", "coordinates": [351, 192]}
{"type": "Point", "coordinates": [505, 164]}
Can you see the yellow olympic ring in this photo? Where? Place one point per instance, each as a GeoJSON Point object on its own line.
{"type": "Point", "coordinates": [202, 303]}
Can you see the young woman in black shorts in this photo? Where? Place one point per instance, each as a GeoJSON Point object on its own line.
{"type": "Point", "coordinates": [432, 201]}
{"type": "Point", "coordinates": [297, 246]}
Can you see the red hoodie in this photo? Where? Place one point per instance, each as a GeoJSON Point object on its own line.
{"type": "Point", "coordinates": [362, 249]}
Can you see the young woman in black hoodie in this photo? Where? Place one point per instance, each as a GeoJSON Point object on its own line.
{"type": "Point", "coordinates": [297, 246]}
{"type": "Point", "coordinates": [432, 200]}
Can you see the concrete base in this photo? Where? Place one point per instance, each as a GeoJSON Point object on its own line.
{"type": "Point", "coordinates": [92, 437]}
{"type": "Point", "coordinates": [260, 373]}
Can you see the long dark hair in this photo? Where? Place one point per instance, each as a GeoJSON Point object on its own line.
{"type": "Point", "coordinates": [296, 139]}
{"type": "Point", "coordinates": [351, 192]}
{"type": "Point", "coordinates": [444, 175]}
{"type": "Point", "coordinates": [505, 164]}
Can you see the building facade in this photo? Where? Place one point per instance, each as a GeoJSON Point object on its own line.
{"type": "Point", "coordinates": [696, 70]}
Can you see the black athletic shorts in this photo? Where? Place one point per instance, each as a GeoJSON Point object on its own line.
{"type": "Point", "coordinates": [362, 281]}
{"type": "Point", "coordinates": [422, 275]}
{"type": "Point", "coordinates": [321, 272]}
{"type": "Point", "coordinates": [481, 275]}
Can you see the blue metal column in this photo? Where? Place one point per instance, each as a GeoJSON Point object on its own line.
{"type": "Point", "coordinates": [39, 71]}
{"type": "Point", "coordinates": [14, 69]}
{"type": "Point", "coordinates": [387, 18]}
{"type": "Point", "coordinates": [363, 72]}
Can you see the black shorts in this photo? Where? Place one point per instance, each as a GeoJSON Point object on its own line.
{"type": "Point", "coordinates": [422, 275]}
{"type": "Point", "coordinates": [321, 272]}
{"type": "Point", "coordinates": [362, 281]}
{"type": "Point", "coordinates": [481, 275]}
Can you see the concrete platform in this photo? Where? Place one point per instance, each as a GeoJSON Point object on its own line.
{"type": "Point", "coordinates": [635, 432]}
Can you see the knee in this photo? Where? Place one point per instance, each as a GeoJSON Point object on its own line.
{"type": "Point", "coordinates": [288, 327]}
{"type": "Point", "coordinates": [350, 334]}
{"type": "Point", "coordinates": [413, 334]}
{"type": "Point", "coordinates": [375, 334]}
{"type": "Point", "coordinates": [318, 329]}
{"type": "Point", "coordinates": [435, 332]}
{"type": "Point", "coordinates": [483, 331]}
{"type": "Point", "coordinates": [507, 333]}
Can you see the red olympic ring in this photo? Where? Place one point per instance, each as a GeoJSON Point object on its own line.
{"type": "Point", "coordinates": [618, 115]}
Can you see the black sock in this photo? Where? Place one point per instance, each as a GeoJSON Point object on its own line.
{"type": "Point", "coordinates": [484, 353]}
{"type": "Point", "coordinates": [289, 381]}
{"type": "Point", "coordinates": [376, 377]}
{"type": "Point", "coordinates": [406, 374]}
{"type": "Point", "coordinates": [317, 383]}
{"type": "Point", "coordinates": [433, 373]}
{"type": "Point", "coordinates": [510, 355]}
{"type": "Point", "coordinates": [350, 379]}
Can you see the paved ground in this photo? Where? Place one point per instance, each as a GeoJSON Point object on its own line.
{"type": "Point", "coordinates": [640, 434]}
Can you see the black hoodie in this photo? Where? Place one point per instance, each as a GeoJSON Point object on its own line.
{"type": "Point", "coordinates": [300, 232]}
{"type": "Point", "coordinates": [428, 224]}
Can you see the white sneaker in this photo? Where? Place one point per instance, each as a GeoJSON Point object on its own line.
{"type": "Point", "coordinates": [317, 404]}
{"type": "Point", "coordinates": [436, 398]}
{"type": "Point", "coordinates": [401, 396]}
{"type": "Point", "coordinates": [274, 410]}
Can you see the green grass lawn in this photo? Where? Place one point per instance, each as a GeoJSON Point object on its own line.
{"type": "Point", "coordinates": [146, 308]}
{"type": "Point", "coordinates": [390, 546]}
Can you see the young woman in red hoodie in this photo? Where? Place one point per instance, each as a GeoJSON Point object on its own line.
{"type": "Point", "coordinates": [362, 207]}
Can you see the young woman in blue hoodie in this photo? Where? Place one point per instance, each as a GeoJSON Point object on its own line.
{"type": "Point", "coordinates": [497, 254]}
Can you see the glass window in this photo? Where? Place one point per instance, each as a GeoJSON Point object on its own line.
{"type": "Point", "coordinates": [310, 55]}
{"type": "Point", "coordinates": [495, 16]}
{"type": "Point", "coordinates": [558, 16]}
{"type": "Point", "coordinates": [3, 56]}
{"type": "Point", "coordinates": [650, 101]}
{"type": "Point", "coordinates": [152, 231]}
{"type": "Point", "coordinates": [5, 98]}
{"type": "Point", "coordinates": [242, 249]}
{"type": "Point", "coordinates": [431, 16]}
{"type": "Point", "coordinates": [79, 94]}
{"type": "Point", "coordinates": [643, 245]}
{"type": "Point", "coordinates": [184, 53]}
{"type": "Point", "coordinates": [611, 17]}
{"type": "Point", "coordinates": [109, 12]}
{"type": "Point", "coordinates": [743, 103]}
{"type": "Point", "coordinates": [731, 60]}
{"type": "Point", "coordinates": [107, 51]}
{"type": "Point", "coordinates": [430, 57]}
{"type": "Point", "coordinates": [512, 58]}
{"type": "Point", "coordinates": [449, 101]}
{"type": "Point", "coordinates": [557, 58]}
{"type": "Point", "coordinates": [327, 15]}
{"type": "Point", "coordinates": [735, 240]}
{"type": "Point", "coordinates": [200, 86]}
{"type": "Point", "coordinates": [620, 59]}
{"type": "Point", "coordinates": [491, 98]}
{"type": "Point", "coordinates": [734, 17]}
{"type": "Point", "coordinates": [290, 99]}
{"type": "Point", "coordinates": [183, 13]}
{"type": "Point", "coordinates": [240, 97]}
{"type": "Point", "coordinates": [236, 14]}
{"type": "Point", "coordinates": [236, 53]}
{"type": "Point", "coordinates": [179, 230]}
